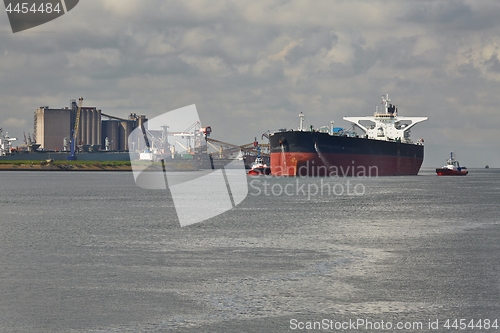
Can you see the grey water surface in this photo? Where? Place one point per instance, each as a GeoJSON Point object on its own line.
{"type": "Point", "coordinates": [92, 252]}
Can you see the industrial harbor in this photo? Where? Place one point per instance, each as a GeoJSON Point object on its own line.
{"type": "Point", "coordinates": [85, 133]}
{"type": "Point", "coordinates": [104, 142]}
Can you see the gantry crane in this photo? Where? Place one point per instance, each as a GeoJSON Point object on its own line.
{"type": "Point", "coordinates": [74, 132]}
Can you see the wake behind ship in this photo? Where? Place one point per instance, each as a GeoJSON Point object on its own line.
{"type": "Point", "coordinates": [385, 148]}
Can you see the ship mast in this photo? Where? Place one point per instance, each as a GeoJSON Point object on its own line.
{"type": "Point", "coordinates": [301, 124]}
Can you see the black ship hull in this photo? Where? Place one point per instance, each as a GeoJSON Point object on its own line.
{"type": "Point", "coordinates": [301, 153]}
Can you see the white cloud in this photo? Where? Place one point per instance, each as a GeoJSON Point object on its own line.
{"type": "Point", "coordinates": [283, 53]}
{"type": "Point", "coordinates": [123, 8]}
{"type": "Point", "coordinates": [14, 122]}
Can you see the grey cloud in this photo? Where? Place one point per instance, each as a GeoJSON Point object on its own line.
{"type": "Point", "coordinates": [493, 64]}
{"type": "Point", "coordinates": [167, 54]}
{"type": "Point", "coordinates": [452, 15]}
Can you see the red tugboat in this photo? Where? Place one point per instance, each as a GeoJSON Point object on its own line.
{"type": "Point", "coordinates": [258, 167]}
{"type": "Point", "coordinates": [452, 168]}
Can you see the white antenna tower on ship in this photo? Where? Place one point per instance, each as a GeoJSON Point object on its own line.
{"type": "Point", "coordinates": [386, 101]}
{"type": "Point", "coordinates": [301, 126]}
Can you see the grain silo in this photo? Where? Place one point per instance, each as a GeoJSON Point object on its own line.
{"type": "Point", "coordinates": [110, 131]}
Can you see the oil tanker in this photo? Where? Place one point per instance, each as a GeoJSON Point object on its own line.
{"type": "Point", "coordinates": [384, 148]}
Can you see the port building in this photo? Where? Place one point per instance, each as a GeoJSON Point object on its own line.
{"type": "Point", "coordinates": [117, 131]}
{"type": "Point", "coordinates": [53, 128]}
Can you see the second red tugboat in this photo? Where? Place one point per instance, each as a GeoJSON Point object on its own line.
{"type": "Point", "coordinates": [452, 168]}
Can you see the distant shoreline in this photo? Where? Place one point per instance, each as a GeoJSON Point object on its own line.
{"type": "Point", "coordinates": [62, 167]}
{"type": "Point", "coordinates": [122, 166]}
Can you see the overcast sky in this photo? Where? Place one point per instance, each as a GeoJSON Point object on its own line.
{"type": "Point", "coordinates": [253, 66]}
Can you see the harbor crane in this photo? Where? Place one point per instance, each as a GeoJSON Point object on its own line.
{"type": "Point", "coordinates": [74, 132]}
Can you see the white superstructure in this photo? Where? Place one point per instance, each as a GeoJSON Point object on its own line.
{"type": "Point", "coordinates": [387, 125]}
{"type": "Point", "coordinates": [453, 164]}
{"type": "Point", "coordinates": [5, 143]}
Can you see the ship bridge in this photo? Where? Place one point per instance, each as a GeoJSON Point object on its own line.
{"type": "Point", "coordinates": [387, 125]}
